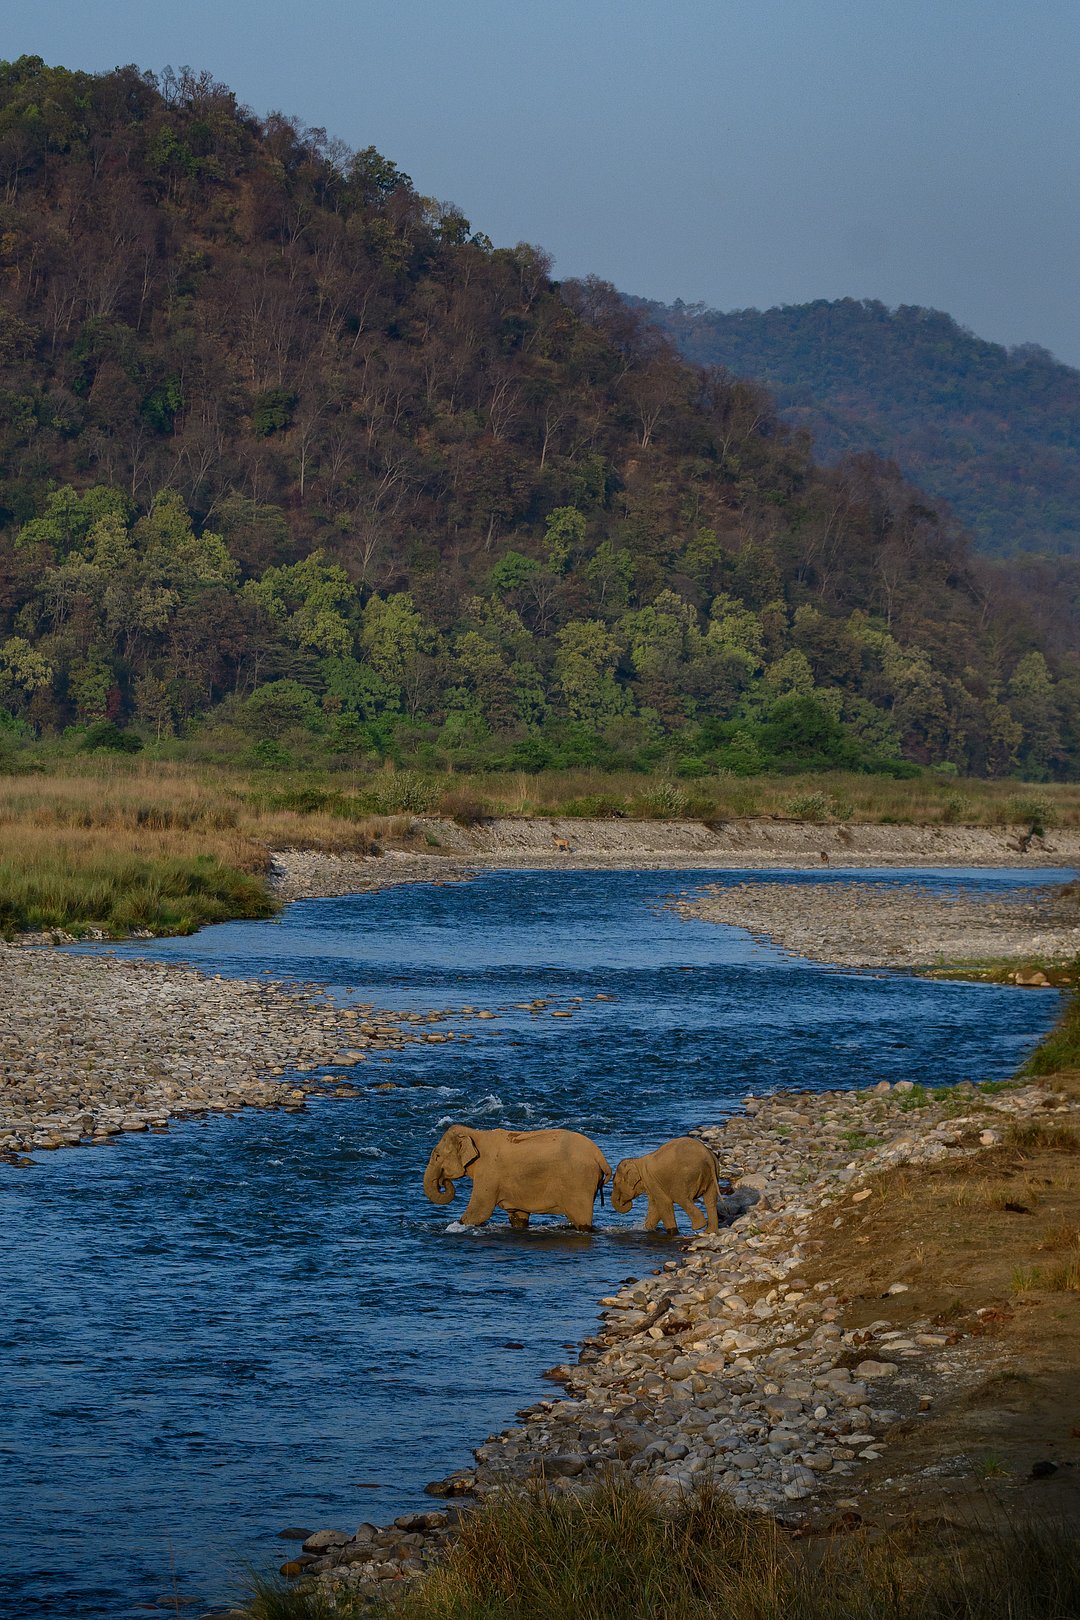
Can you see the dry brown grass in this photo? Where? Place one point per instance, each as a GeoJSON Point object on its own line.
{"type": "Point", "coordinates": [131, 844]}
{"type": "Point", "coordinates": [835, 796]}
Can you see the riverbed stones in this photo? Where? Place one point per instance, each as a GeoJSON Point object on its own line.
{"type": "Point", "coordinates": [95, 1048]}
{"type": "Point", "coordinates": [876, 925]}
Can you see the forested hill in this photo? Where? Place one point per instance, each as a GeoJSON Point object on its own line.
{"type": "Point", "coordinates": [993, 431]}
{"type": "Point", "coordinates": [297, 466]}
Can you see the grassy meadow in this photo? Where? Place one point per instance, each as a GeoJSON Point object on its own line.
{"type": "Point", "coordinates": [116, 842]}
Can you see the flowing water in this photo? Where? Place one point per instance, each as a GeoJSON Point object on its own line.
{"type": "Point", "coordinates": [255, 1322]}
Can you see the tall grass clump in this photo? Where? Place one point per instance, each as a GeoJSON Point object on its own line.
{"type": "Point", "coordinates": [1060, 1050]}
{"type": "Point", "coordinates": [615, 1554]}
{"type": "Point", "coordinates": [119, 893]}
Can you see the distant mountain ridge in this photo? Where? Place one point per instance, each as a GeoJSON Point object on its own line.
{"type": "Point", "coordinates": [993, 431]}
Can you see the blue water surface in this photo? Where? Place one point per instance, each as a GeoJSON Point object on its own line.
{"type": "Point", "coordinates": [255, 1322]}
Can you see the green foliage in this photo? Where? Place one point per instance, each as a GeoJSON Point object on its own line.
{"type": "Point", "coordinates": [487, 520]}
{"type": "Point", "coordinates": [125, 892]}
{"type": "Point", "coordinates": [1033, 810]}
{"type": "Point", "coordinates": [271, 412]}
{"type": "Point", "coordinates": [107, 736]}
{"type": "Point", "coordinates": [616, 1553]}
{"type": "Point", "coordinates": [1060, 1050]}
{"type": "Point", "coordinates": [277, 708]}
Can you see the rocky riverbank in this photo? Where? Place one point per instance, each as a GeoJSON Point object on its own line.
{"type": "Point", "coordinates": [93, 1047]}
{"type": "Point", "coordinates": [319, 874]}
{"type": "Point", "coordinates": [782, 1358]}
{"type": "Point", "coordinates": [901, 926]}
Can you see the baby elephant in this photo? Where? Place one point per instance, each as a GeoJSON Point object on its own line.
{"type": "Point", "coordinates": [680, 1172]}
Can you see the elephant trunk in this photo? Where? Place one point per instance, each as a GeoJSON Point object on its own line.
{"type": "Point", "coordinates": [438, 1187]}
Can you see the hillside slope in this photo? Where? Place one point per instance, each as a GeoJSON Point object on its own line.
{"type": "Point", "coordinates": [993, 431]}
{"type": "Point", "coordinates": [295, 466]}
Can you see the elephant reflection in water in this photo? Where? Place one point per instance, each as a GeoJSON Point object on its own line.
{"type": "Point", "coordinates": [552, 1172]}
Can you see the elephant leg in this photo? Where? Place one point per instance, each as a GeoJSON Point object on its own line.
{"type": "Point", "coordinates": [579, 1212]}
{"type": "Point", "coordinates": [697, 1219]}
{"type": "Point", "coordinates": [519, 1219]}
{"type": "Point", "coordinates": [480, 1208]}
{"type": "Point", "coordinates": [708, 1198]}
{"type": "Point", "coordinates": [652, 1216]}
{"type": "Point", "coordinates": [665, 1211]}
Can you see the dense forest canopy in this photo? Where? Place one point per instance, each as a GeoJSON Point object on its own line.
{"type": "Point", "coordinates": [296, 465]}
{"type": "Point", "coordinates": [993, 431]}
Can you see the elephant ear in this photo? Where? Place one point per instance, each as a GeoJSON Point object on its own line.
{"type": "Point", "coordinates": [631, 1179]}
{"type": "Point", "coordinates": [648, 1179]}
{"type": "Point", "coordinates": [461, 1151]}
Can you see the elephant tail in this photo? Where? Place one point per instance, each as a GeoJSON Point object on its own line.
{"type": "Point", "coordinates": [606, 1174]}
{"type": "Point", "coordinates": [723, 1180]}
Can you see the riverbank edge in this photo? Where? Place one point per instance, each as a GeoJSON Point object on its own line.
{"type": "Point", "coordinates": [436, 849]}
{"type": "Point", "coordinates": [732, 1321]}
{"type": "Point", "coordinates": [1028, 937]}
{"type": "Point", "coordinates": [453, 853]}
{"type": "Point", "coordinates": [581, 843]}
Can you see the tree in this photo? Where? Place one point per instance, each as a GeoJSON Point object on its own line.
{"type": "Point", "coordinates": [399, 646]}
{"type": "Point", "coordinates": [585, 670]}
{"type": "Point", "coordinates": [1033, 704]}
{"type": "Point", "coordinates": [23, 671]}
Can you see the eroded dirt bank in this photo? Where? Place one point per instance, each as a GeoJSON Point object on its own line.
{"type": "Point", "coordinates": [579, 842]}
{"type": "Point", "coordinates": [903, 925]}
{"type": "Point", "coordinates": [453, 852]}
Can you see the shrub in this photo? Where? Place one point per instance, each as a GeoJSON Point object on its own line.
{"type": "Point", "coordinates": [463, 808]}
{"type": "Point", "coordinates": [956, 807]}
{"type": "Point", "coordinates": [593, 805]}
{"type": "Point", "coordinates": [398, 792]}
{"type": "Point", "coordinates": [104, 735]}
{"type": "Point", "coordinates": [1034, 810]}
{"type": "Point", "coordinates": [666, 802]}
{"type": "Point", "coordinates": [808, 807]}
{"type": "Point", "coordinates": [277, 707]}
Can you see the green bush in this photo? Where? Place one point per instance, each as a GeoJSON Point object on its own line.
{"type": "Point", "coordinates": [808, 807]}
{"type": "Point", "coordinates": [398, 792]}
{"type": "Point", "coordinates": [1035, 811]}
{"type": "Point", "coordinates": [115, 895]}
{"type": "Point", "coordinates": [104, 735]}
{"type": "Point", "coordinates": [956, 807]}
{"type": "Point", "coordinates": [667, 802]}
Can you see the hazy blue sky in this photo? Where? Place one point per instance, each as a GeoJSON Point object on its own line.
{"type": "Point", "coordinates": [737, 151]}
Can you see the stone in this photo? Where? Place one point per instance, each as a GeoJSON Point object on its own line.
{"type": "Point", "coordinates": [876, 1369]}
{"type": "Point", "coordinates": [321, 1540]}
{"type": "Point", "coordinates": [565, 1465]}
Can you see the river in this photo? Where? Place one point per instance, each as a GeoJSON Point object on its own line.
{"type": "Point", "coordinates": [253, 1322]}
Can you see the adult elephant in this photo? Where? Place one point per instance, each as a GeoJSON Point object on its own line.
{"type": "Point", "coordinates": [524, 1172]}
{"type": "Point", "coordinates": [680, 1172]}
